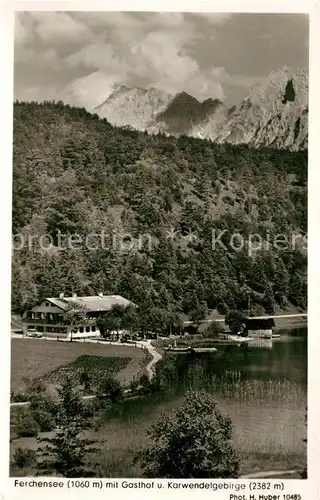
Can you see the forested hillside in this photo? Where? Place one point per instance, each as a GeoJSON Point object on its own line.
{"type": "Point", "coordinates": [75, 173]}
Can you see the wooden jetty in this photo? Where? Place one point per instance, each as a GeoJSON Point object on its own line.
{"type": "Point", "coordinates": [186, 350]}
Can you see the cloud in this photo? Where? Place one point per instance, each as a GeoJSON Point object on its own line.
{"type": "Point", "coordinates": [81, 56]}
{"type": "Point", "coordinates": [95, 55]}
{"type": "Point", "coordinates": [102, 20]}
{"type": "Point", "coordinates": [46, 58]}
{"type": "Point", "coordinates": [59, 27]}
{"type": "Point", "coordinates": [22, 34]}
{"type": "Point", "coordinates": [216, 18]}
{"type": "Point", "coordinates": [100, 50]}
{"type": "Point", "coordinates": [162, 61]}
{"type": "Point", "coordinates": [150, 47]}
{"type": "Point", "coordinates": [89, 91]}
{"type": "Point", "coordinates": [246, 82]}
{"type": "Point", "coordinates": [31, 92]}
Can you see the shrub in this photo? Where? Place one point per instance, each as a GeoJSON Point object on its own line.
{"type": "Point", "coordinates": [110, 388]}
{"type": "Point", "coordinates": [34, 386]}
{"type": "Point", "coordinates": [144, 385]}
{"type": "Point", "coordinates": [228, 200]}
{"type": "Point", "coordinates": [195, 441]}
{"type": "Point", "coordinates": [42, 402]}
{"type": "Point", "coordinates": [44, 419]}
{"type": "Point", "coordinates": [236, 321]}
{"type": "Point", "coordinates": [134, 384]}
{"type": "Point", "coordinates": [144, 380]}
{"type": "Point", "coordinates": [85, 379]}
{"type": "Point", "coordinates": [24, 423]}
{"type": "Point", "coordinates": [24, 457]}
{"type": "Point", "coordinates": [155, 384]}
{"type": "Point", "coordinates": [19, 397]}
{"type": "Point", "coordinates": [213, 330]}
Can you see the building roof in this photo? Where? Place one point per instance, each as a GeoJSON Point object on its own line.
{"type": "Point", "coordinates": [91, 303]}
{"type": "Point", "coordinates": [256, 323]}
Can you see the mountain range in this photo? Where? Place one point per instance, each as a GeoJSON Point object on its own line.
{"type": "Point", "coordinates": [274, 113]}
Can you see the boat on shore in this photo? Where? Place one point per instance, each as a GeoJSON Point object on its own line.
{"type": "Point", "coordinates": [238, 338]}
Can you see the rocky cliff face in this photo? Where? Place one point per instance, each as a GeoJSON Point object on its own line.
{"type": "Point", "coordinates": [275, 113]}
{"type": "Point", "coordinates": [134, 107]}
{"type": "Point", "coordinates": [184, 113]}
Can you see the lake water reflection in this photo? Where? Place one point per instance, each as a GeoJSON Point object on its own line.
{"type": "Point", "coordinates": [263, 389]}
{"type": "Point", "coordinates": [285, 359]}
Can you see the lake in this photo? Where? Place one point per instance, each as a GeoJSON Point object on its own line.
{"type": "Point", "coordinates": [284, 358]}
{"type": "Point", "coordinates": [262, 389]}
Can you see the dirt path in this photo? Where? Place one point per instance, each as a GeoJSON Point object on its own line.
{"type": "Point", "coordinates": [156, 356]}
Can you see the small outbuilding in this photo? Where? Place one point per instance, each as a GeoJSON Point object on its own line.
{"type": "Point", "coordinates": [259, 327]}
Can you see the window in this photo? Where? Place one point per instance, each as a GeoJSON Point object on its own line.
{"type": "Point", "coordinates": [81, 329]}
{"type": "Point", "coordinates": [87, 328]}
{"type": "Point", "coordinates": [93, 328]}
{"type": "Point", "coordinates": [47, 304]}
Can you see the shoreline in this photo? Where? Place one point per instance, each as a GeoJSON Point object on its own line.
{"type": "Point", "coordinates": [291, 323]}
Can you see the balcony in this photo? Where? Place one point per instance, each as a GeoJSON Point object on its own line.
{"type": "Point", "coordinates": [46, 321]}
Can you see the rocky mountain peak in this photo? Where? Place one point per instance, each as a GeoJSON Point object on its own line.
{"type": "Point", "coordinates": [274, 113]}
{"type": "Point", "coordinates": [133, 106]}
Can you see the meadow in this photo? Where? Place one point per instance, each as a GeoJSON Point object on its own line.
{"type": "Point", "coordinates": [32, 358]}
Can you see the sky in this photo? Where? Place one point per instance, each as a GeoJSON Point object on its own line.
{"type": "Point", "coordinates": [81, 57]}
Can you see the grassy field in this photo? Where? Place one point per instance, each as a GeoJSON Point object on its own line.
{"type": "Point", "coordinates": [32, 358]}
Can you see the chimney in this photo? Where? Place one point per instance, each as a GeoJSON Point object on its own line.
{"type": "Point", "coordinates": [74, 295]}
{"type": "Point", "coordinates": [100, 294]}
{"type": "Point", "coordinates": [61, 295]}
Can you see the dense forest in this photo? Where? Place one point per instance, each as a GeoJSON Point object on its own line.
{"type": "Point", "coordinates": [75, 174]}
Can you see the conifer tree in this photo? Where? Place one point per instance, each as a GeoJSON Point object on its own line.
{"type": "Point", "coordinates": [66, 453]}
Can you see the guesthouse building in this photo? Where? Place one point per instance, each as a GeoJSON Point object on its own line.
{"type": "Point", "coordinates": [50, 317]}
